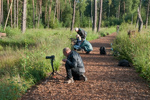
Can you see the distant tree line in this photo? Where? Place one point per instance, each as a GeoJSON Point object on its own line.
{"type": "Point", "coordinates": [73, 13]}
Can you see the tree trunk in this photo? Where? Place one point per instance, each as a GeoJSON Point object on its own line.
{"type": "Point", "coordinates": [124, 7]}
{"type": "Point", "coordinates": [14, 13]}
{"type": "Point", "coordinates": [17, 13]}
{"type": "Point", "coordinates": [24, 16]}
{"type": "Point", "coordinates": [95, 16]}
{"type": "Point", "coordinates": [55, 11]}
{"type": "Point", "coordinates": [73, 16]}
{"type": "Point", "coordinates": [137, 21]}
{"type": "Point", "coordinates": [8, 15]}
{"type": "Point", "coordinates": [119, 10]}
{"type": "Point", "coordinates": [49, 12]}
{"type": "Point", "coordinates": [40, 12]}
{"type": "Point", "coordinates": [45, 12]}
{"type": "Point", "coordinates": [7, 5]}
{"type": "Point", "coordinates": [140, 20]}
{"type": "Point", "coordinates": [0, 12]}
{"type": "Point", "coordinates": [11, 15]}
{"type": "Point", "coordinates": [33, 14]}
{"type": "Point", "coordinates": [91, 12]}
{"type": "Point", "coordinates": [100, 15]}
{"type": "Point", "coordinates": [58, 10]}
{"type": "Point", "coordinates": [147, 14]}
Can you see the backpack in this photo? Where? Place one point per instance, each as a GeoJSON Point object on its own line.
{"type": "Point", "coordinates": [124, 63]}
{"type": "Point", "coordinates": [102, 50]}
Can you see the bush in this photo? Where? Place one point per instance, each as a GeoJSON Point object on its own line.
{"type": "Point", "coordinates": [135, 49]}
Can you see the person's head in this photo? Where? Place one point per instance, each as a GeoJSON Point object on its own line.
{"type": "Point", "coordinates": [76, 29]}
{"type": "Point", "coordinates": [78, 36]}
{"type": "Point", "coordinates": [66, 51]}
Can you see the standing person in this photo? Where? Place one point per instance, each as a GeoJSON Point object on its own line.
{"type": "Point", "coordinates": [86, 46]}
{"type": "Point", "coordinates": [81, 32]}
{"type": "Point", "coordinates": [74, 66]}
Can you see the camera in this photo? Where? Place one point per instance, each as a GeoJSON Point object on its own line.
{"type": "Point", "coordinates": [50, 57]}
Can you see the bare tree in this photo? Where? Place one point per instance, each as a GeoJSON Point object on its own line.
{"type": "Point", "coordinates": [0, 12]}
{"type": "Point", "coordinates": [14, 13]}
{"type": "Point", "coordinates": [7, 5]}
{"type": "Point", "coordinates": [8, 15]}
{"type": "Point", "coordinates": [137, 20]}
{"type": "Point", "coordinates": [40, 12]}
{"type": "Point", "coordinates": [91, 11]}
{"type": "Point", "coordinates": [119, 10]}
{"type": "Point", "coordinates": [124, 7]}
{"type": "Point", "coordinates": [46, 11]}
{"type": "Point", "coordinates": [33, 14]}
{"type": "Point", "coordinates": [95, 16]}
{"type": "Point", "coordinates": [147, 14]}
{"type": "Point", "coordinates": [55, 11]}
{"type": "Point", "coordinates": [49, 12]}
{"type": "Point", "coordinates": [100, 15]}
{"type": "Point", "coordinates": [24, 16]}
{"type": "Point", "coordinates": [140, 21]}
{"type": "Point", "coordinates": [17, 12]}
{"type": "Point", "coordinates": [11, 15]}
{"type": "Point", "coordinates": [73, 16]}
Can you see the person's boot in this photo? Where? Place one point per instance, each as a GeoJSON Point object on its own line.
{"type": "Point", "coordinates": [69, 81]}
{"type": "Point", "coordinates": [83, 77]}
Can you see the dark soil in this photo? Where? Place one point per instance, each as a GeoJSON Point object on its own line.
{"type": "Point", "coordinates": [106, 80]}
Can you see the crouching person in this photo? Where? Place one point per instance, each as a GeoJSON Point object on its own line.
{"type": "Point", "coordinates": [74, 66]}
{"type": "Point", "coordinates": [78, 42]}
{"type": "Point", "coordinates": [86, 46]}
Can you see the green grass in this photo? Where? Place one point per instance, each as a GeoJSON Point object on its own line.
{"type": "Point", "coordinates": [22, 57]}
{"type": "Point", "coordinates": [135, 49]}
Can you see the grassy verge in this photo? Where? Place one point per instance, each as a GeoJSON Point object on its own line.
{"type": "Point", "coordinates": [135, 49]}
{"type": "Point", "coordinates": [22, 57]}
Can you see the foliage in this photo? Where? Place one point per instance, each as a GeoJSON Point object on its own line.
{"type": "Point", "coordinates": [23, 67]}
{"type": "Point", "coordinates": [135, 49]}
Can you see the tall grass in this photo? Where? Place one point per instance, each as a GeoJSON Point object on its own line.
{"type": "Point", "coordinates": [135, 49]}
{"type": "Point", "coordinates": [22, 57]}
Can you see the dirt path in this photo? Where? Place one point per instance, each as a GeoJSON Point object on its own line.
{"type": "Point", "coordinates": [106, 80]}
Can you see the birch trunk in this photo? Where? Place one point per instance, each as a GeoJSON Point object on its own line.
{"type": "Point", "coordinates": [14, 13]}
{"type": "Point", "coordinates": [100, 15]}
{"type": "Point", "coordinates": [95, 16]}
{"type": "Point", "coordinates": [33, 14]}
{"type": "Point", "coordinates": [24, 16]}
{"type": "Point", "coordinates": [147, 14]}
{"type": "Point", "coordinates": [49, 12]}
{"type": "Point", "coordinates": [73, 16]}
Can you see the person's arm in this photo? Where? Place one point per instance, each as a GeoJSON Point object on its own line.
{"type": "Point", "coordinates": [72, 61]}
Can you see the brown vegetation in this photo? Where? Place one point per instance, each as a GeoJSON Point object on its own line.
{"type": "Point", "coordinates": [2, 35]}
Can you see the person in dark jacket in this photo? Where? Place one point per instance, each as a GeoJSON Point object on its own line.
{"type": "Point", "coordinates": [86, 46]}
{"type": "Point", "coordinates": [74, 66]}
{"type": "Point", "coordinates": [81, 32]}
{"type": "Point", "coordinates": [78, 42]}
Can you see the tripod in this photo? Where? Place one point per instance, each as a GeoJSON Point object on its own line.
{"type": "Point", "coordinates": [52, 58]}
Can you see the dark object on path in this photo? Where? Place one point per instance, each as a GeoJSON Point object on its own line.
{"type": "Point", "coordinates": [102, 50]}
{"type": "Point", "coordinates": [124, 63]}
